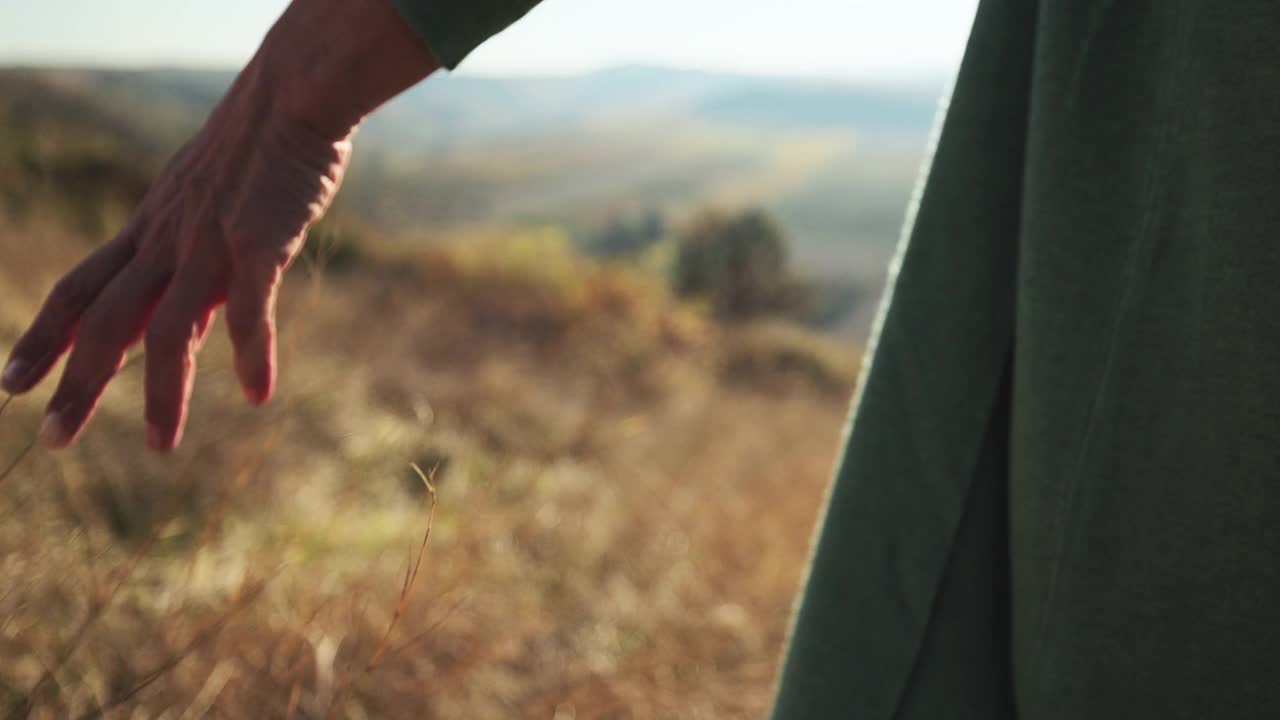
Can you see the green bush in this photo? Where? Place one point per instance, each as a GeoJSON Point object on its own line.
{"type": "Point", "coordinates": [737, 264]}
{"type": "Point", "coordinates": [628, 235]}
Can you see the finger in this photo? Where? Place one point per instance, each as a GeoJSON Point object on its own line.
{"type": "Point", "coordinates": [251, 322]}
{"type": "Point", "coordinates": [109, 327]}
{"type": "Point", "coordinates": [174, 336]}
{"type": "Point", "coordinates": [54, 328]}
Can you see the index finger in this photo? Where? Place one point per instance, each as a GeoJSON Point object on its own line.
{"type": "Point", "coordinates": [54, 328]}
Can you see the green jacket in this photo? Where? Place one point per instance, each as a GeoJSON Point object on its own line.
{"type": "Point", "coordinates": [453, 28]}
{"type": "Point", "coordinates": [1060, 494]}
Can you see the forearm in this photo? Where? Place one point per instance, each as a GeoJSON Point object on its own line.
{"type": "Point", "coordinates": [230, 212]}
{"type": "Point", "coordinates": [326, 64]}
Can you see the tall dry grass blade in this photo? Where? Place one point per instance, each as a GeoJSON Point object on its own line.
{"type": "Point", "coordinates": [214, 684]}
{"type": "Point", "coordinates": [411, 575]}
{"type": "Point", "coordinates": [18, 460]}
{"type": "Point", "coordinates": [35, 440]}
{"type": "Point", "coordinates": [295, 699]}
{"type": "Point", "coordinates": [98, 605]}
{"type": "Point", "coordinates": [242, 599]}
{"type": "Point", "coordinates": [244, 470]}
{"type": "Point", "coordinates": [411, 642]}
{"type": "Point", "coordinates": [402, 603]}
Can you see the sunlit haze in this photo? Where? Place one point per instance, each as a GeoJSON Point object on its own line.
{"type": "Point", "coordinates": [859, 38]}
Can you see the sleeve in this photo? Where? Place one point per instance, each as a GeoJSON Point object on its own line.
{"type": "Point", "coordinates": [453, 28]}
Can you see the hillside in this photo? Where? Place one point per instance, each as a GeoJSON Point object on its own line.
{"type": "Point", "coordinates": [625, 487]}
{"type": "Point", "coordinates": [459, 156]}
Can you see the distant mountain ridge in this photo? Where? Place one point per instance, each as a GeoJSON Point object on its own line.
{"type": "Point", "coordinates": [833, 160]}
{"type": "Point", "coordinates": [465, 108]}
{"type": "Point", "coordinates": [460, 108]}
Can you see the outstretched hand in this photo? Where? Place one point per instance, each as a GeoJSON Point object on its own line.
{"type": "Point", "coordinates": [221, 224]}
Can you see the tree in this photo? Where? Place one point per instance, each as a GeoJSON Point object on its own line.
{"type": "Point", "coordinates": [738, 264]}
{"type": "Point", "coordinates": [629, 234]}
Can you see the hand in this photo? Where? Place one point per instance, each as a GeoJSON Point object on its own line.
{"type": "Point", "coordinates": [222, 222]}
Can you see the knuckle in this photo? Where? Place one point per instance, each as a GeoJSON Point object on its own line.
{"type": "Point", "coordinates": [237, 324]}
{"type": "Point", "coordinates": [165, 333]}
{"type": "Point", "coordinates": [161, 402]}
{"type": "Point", "coordinates": [100, 329]}
{"type": "Point", "coordinates": [93, 336]}
{"type": "Point", "coordinates": [260, 273]}
{"type": "Point", "coordinates": [244, 322]}
{"type": "Point", "coordinates": [70, 294]}
{"type": "Point", "coordinates": [96, 318]}
{"type": "Point", "coordinates": [85, 379]}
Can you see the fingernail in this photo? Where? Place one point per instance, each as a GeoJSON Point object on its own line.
{"type": "Point", "coordinates": [256, 398]}
{"type": "Point", "coordinates": [12, 373]}
{"type": "Point", "coordinates": [155, 439]}
{"type": "Point", "coordinates": [52, 433]}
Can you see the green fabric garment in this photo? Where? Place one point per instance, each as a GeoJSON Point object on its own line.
{"type": "Point", "coordinates": [453, 28]}
{"type": "Point", "coordinates": [1060, 494]}
{"type": "Point", "coordinates": [906, 610]}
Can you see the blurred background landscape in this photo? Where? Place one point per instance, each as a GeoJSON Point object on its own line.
{"type": "Point", "coordinates": [616, 313]}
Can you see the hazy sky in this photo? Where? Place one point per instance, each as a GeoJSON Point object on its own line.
{"type": "Point", "coordinates": [828, 37]}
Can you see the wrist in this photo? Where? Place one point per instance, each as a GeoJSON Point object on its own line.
{"type": "Point", "coordinates": [326, 64]}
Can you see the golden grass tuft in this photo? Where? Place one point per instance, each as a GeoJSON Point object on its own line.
{"type": "Point", "coordinates": [625, 491]}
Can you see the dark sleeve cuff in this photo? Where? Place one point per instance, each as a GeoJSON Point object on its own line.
{"type": "Point", "coordinates": [453, 28]}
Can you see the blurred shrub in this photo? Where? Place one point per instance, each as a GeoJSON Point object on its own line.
{"type": "Point", "coordinates": [332, 246]}
{"type": "Point", "coordinates": [597, 475]}
{"type": "Point", "coordinates": [770, 353]}
{"type": "Point", "coordinates": [531, 286]}
{"type": "Point", "coordinates": [628, 234]}
{"type": "Point", "coordinates": [737, 264]}
{"type": "Point", "coordinates": [826, 304]}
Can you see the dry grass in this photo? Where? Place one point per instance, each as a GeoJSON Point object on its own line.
{"type": "Point", "coordinates": [625, 493]}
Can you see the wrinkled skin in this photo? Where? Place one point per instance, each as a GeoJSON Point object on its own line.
{"type": "Point", "coordinates": [221, 224]}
